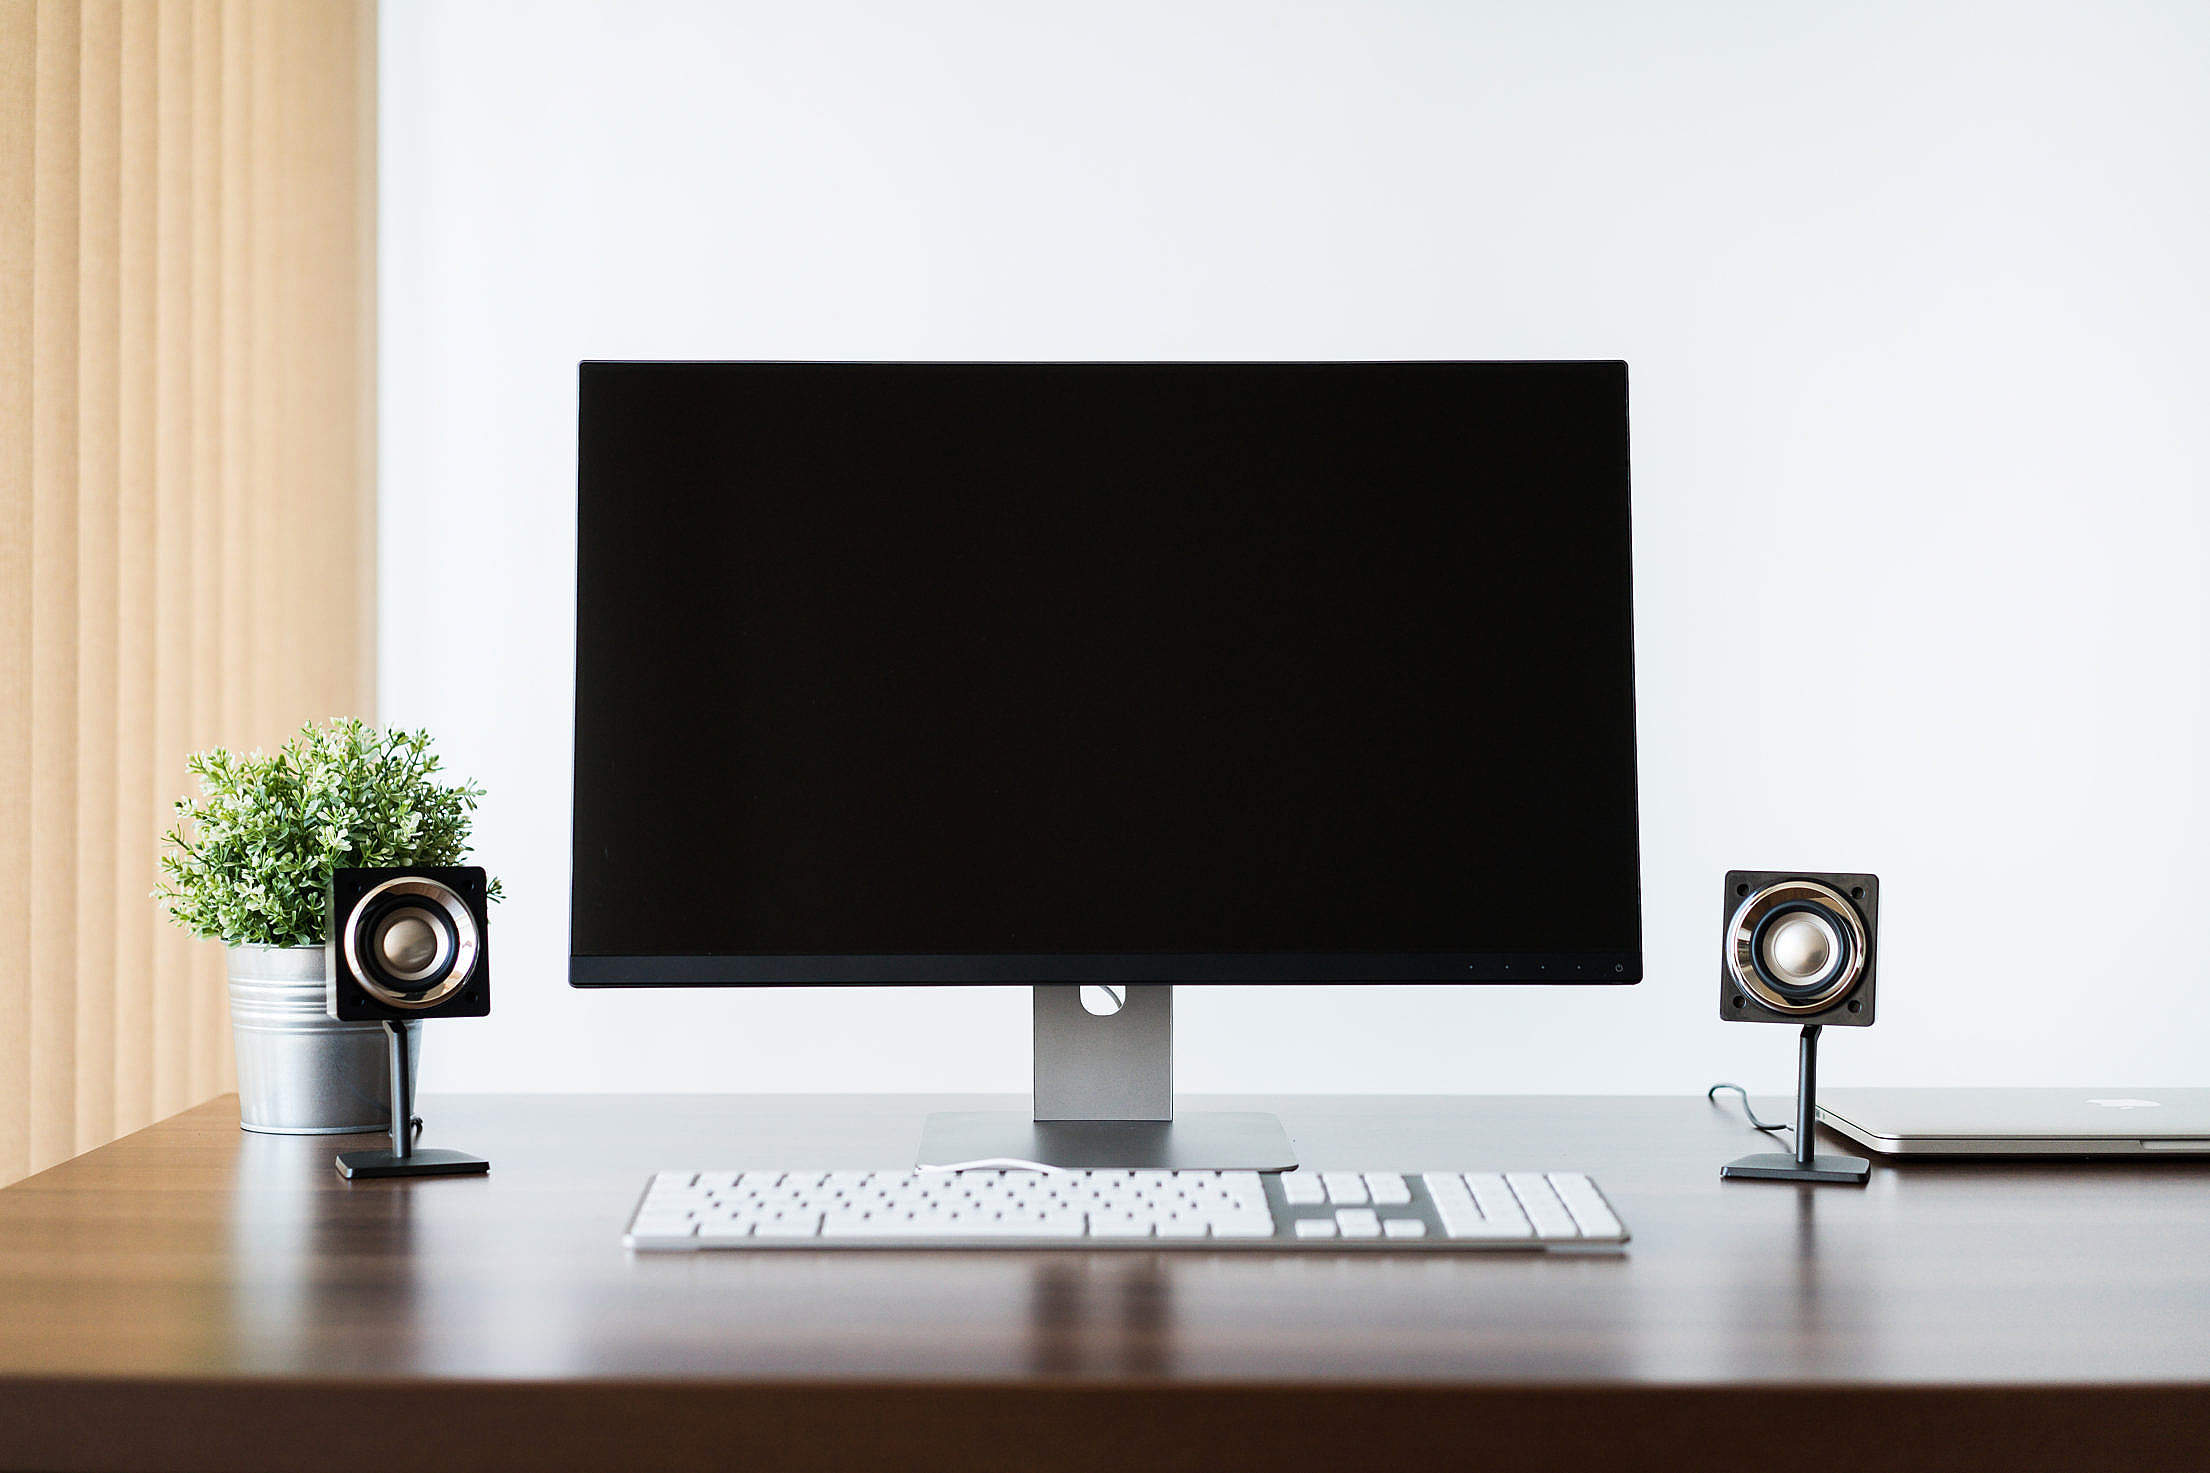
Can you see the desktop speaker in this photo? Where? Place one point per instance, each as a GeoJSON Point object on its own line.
{"type": "Point", "coordinates": [1798, 947]}
{"type": "Point", "coordinates": [403, 945]}
{"type": "Point", "coordinates": [408, 943]}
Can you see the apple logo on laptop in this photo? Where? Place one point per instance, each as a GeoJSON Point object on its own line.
{"type": "Point", "coordinates": [2125, 1104]}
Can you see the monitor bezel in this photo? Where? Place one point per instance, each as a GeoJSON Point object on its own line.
{"type": "Point", "coordinates": [1009, 969]}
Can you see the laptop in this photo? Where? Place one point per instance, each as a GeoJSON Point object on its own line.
{"type": "Point", "coordinates": [2022, 1122]}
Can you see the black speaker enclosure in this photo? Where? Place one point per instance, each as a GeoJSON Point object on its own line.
{"type": "Point", "coordinates": [451, 901]}
{"type": "Point", "coordinates": [1850, 903]}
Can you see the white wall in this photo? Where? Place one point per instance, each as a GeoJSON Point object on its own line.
{"type": "Point", "coordinates": [1914, 298]}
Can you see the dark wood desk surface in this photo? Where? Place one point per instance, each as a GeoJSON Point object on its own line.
{"type": "Point", "coordinates": [193, 1297]}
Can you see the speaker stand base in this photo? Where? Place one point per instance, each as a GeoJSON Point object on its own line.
{"type": "Point", "coordinates": [404, 1158]}
{"type": "Point", "coordinates": [355, 1165]}
{"type": "Point", "coordinates": [1801, 1165]}
{"type": "Point", "coordinates": [1781, 1166]}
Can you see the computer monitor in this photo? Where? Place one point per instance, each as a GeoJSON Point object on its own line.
{"type": "Point", "coordinates": [1119, 674]}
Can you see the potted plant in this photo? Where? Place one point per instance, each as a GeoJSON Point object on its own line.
{"type": "Point", "coordinates": [249, 863]}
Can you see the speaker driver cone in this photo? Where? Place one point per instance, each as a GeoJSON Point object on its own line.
{"type": "Point", "coordinates": [411, 942]}
{"type": "Point", "coordinates": [1797, 946]}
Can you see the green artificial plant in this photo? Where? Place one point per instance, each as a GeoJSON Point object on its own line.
{"type": "Point", "coordinates": [249, 860]}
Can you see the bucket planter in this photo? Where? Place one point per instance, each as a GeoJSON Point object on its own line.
{"type": "Point", "coordinates": [249, 863]}
{"type": "Point", "coordinates": [301, 1071]}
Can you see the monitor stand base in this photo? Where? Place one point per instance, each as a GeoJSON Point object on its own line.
{"type": "Point", "coordinates": [1104, 1097]}
{"type": "Point", "coordinates": [1204, 1140]}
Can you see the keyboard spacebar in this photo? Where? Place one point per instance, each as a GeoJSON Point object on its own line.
{"type": "Point", "coordinates": [908, 1227]}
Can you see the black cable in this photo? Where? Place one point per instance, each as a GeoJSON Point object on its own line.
{"type": "Point", "coordinates": [1774, 1126]}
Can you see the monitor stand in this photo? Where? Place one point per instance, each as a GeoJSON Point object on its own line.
{"type": "Point", "coordinates": [1105, 1098]}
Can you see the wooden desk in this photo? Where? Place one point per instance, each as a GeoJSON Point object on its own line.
{"type": "Point", "coordinates": [195, 1298]}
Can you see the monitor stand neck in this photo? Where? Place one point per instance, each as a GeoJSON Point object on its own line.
{"type": "Point", "coordinates": [1105, 1098]}
{"type": "Point", "coordinates": [1113, 1067]}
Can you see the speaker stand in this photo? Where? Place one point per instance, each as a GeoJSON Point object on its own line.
{"type": "Point", "coordinates": [403, 1159]}
{"type": "Point", "coordinates": [1803, 1166]}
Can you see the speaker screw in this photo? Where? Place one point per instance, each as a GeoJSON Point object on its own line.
{"type": "Point", "coordinates": [1855, 1006]}
{"type": "Point", "coordinates": [1741, 889]}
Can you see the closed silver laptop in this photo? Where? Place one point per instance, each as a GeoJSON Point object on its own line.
{"type": "Point", "coordinates": [2022, 1122]}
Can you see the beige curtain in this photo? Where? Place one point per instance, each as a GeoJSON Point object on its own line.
{"type": "Point", "coordinates": [187, 391]}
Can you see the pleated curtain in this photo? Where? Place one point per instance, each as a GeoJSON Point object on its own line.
{"type": "Point", "coordinates": [187, 381]}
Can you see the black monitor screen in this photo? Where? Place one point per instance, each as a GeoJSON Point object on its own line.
{"type": "Point", "coordinates": [1059, 672]}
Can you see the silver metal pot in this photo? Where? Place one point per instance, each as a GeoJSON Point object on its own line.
{"type": "Point", "coordinates": [300, 1071]}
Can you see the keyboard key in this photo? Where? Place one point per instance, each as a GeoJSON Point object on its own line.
{"type": "Point", "coordinates": [1315, 1227]}
{"type": "Point", "coordinates": [1358, 1222]}
{"type": "Point", "coordinates": [1490, 1228]}
{"type": "Point", "coordinates": [1345, 1188]}
{"type": "Point", "coordinates": [1580, 1195]}
{"type": "Point", "coordinates": [1586, 1204]}
{"type": "Point", "coordinates": [1300, 1190]}
{"type": "Point", "coordinates": [1461, 1210]}
{"type": "Point", "coordinates": [1544, 1210]}
{"type": "Point", "coordinates": [1387, 1189]}
{"type": "Point", "coordinates": [1404, 1227]}
{"type": "Point", "coordinates": [1496, 1201]}
{"type": "Point", "coordinates": [1453, 1203]}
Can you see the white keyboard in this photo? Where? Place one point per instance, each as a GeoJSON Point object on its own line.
{"type": "Point", "coordinates": [1333, 1211]}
